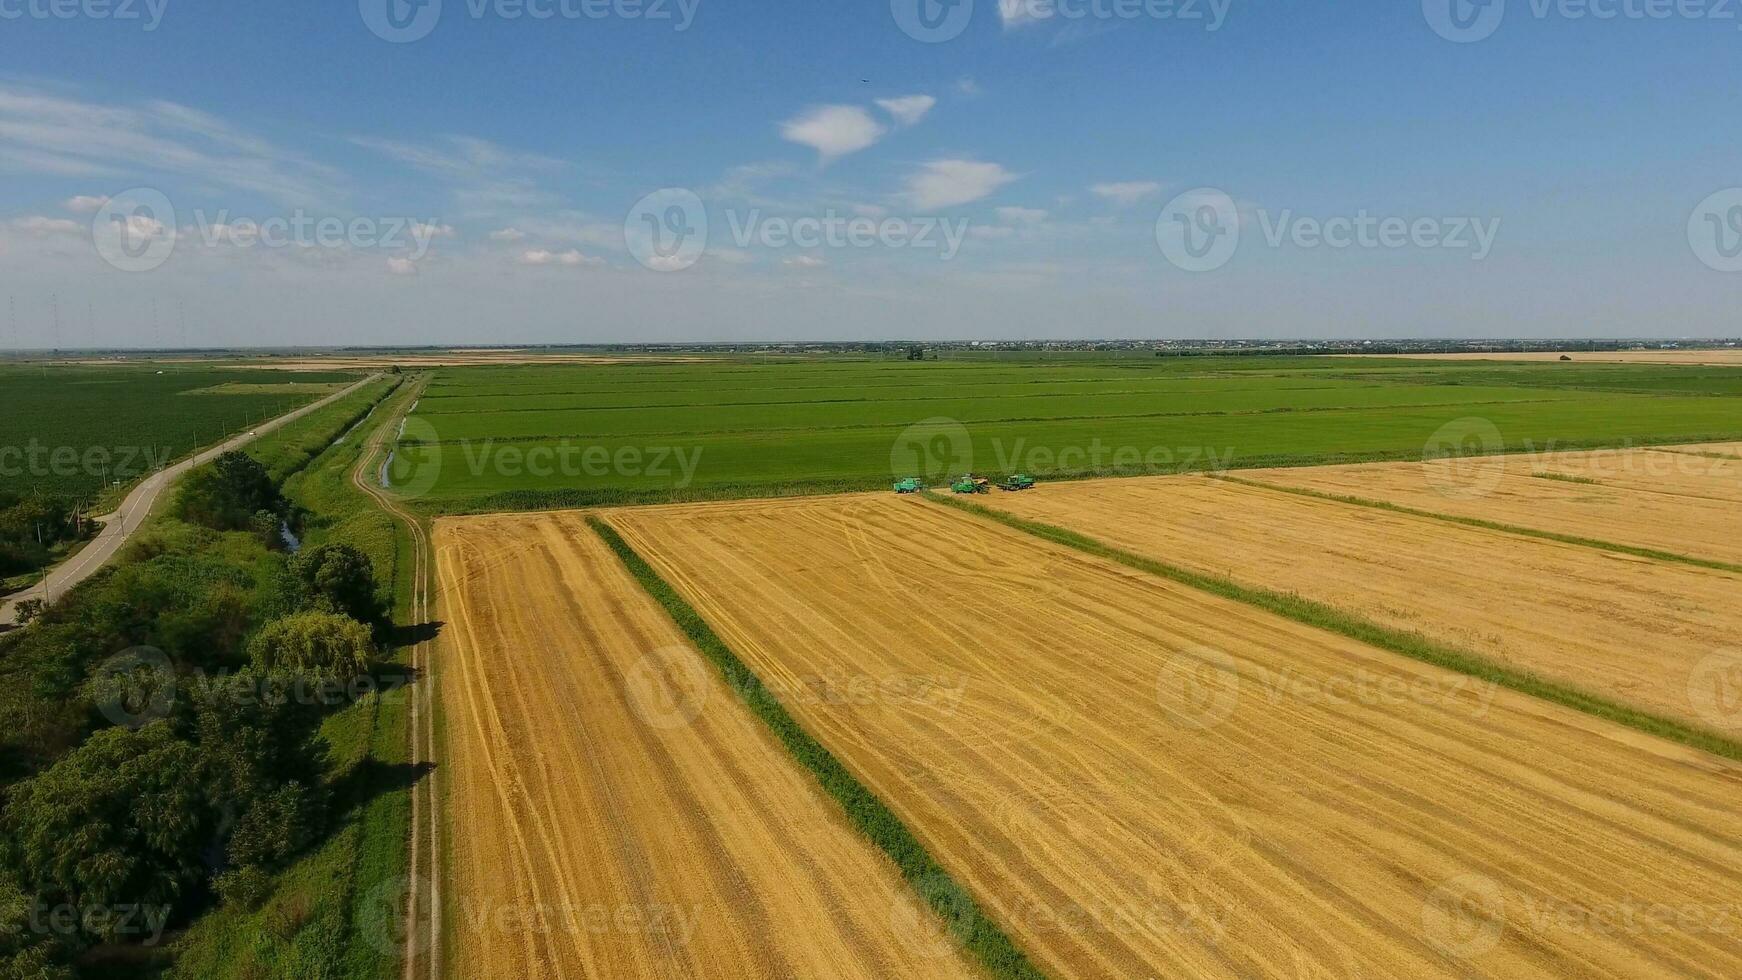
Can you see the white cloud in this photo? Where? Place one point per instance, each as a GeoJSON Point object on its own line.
{"type": "Point", "coordinates": [53, 134]}
{"type": "Point", "coordinates": [1126, 193]}
{"type": "Point", "coordinates": [834, 130]}
{"type": "Point", "coordinates": [86, 204]}
{"type": "Point", "coordinates": [571, 258]}
{"type": "Point", "coordinates": [909, 109]}
{"type": "Point", "coordinates": [967, 87]}
{"type": "Point", "coordinates": [804, 262]}
{"type": "Point", "coordinates": [1021, 216]}
{"type": "Point", "coordinates": [38, 225]}
{"type": "Point", "coordinates": [508, 235]}
{"type": "Point", "coordinates": [402, 267]}
{"type": "Point", "coordinates": [428, 232]}
{"type": "Point", "coordinates": [947, 183]}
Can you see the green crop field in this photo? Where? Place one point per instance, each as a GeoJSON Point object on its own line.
{"type": "Point", "coordinates": [541, 436]}
{"type": "Point", "coordinates": [70, 430]}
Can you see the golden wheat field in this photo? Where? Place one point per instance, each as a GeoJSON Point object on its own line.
{"type": "Point", "coordinates": [1140, 779]}
{"type": "Point", "coordinates": [614, 811]}
{"type": "Point", "coordinates": [1656, 511]}
{"type": "Point", "coordinates": [1630, 629]}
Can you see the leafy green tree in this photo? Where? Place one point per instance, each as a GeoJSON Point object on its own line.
{"type": "Point", "coordinates": [227, 495]}
{"type": "Point", "coordinates": [314, 644]}
{"type": "Point", "coordinates": [25, 953]}
{"type": "Point", "coordinates": [118, 820]}
{"type": "Point", "coordinates": [338, 578]}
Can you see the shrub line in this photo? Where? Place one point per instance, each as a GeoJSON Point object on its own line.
{"type": "Point", "coordinates": [1414, 645]}
{"type": "Point", "coordinates": [1529, 532]}
{"type": "Point", "coordinates": [960, 913]}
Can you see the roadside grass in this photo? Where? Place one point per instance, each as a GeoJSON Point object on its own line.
{"type": "Point", "coordinates": [1409, 644]}
{"type": "Point", "coordinates": [335, 912]}
{"type": "Point", "coordinates": [1528, 532]}
{"type": "Point", "coordinates": [962, 916]}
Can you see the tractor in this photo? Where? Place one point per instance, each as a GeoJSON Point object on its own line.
{"type": "Point", "coordinates": [970, 484]}
{"type": "Point", "coordinates": [910, 485]}
{"type": "Point", "coordinates": [1017, 481]}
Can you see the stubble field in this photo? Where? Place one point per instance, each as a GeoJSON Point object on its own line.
{"type": "Point", "coordinates": [619, 814]}
{"type": "Point", "coordinates": [1143, 779]}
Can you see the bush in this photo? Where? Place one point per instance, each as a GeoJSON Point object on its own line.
{"type": "Point", "coordinates": [338, 578]}
{"type": "Point", "coordinates": [318, 645]}
{"type": "Point", "coordinates": [244, 888]}
{"type": "Point", "coordinates": [228, 494]}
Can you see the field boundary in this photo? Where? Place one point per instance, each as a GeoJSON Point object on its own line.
{"type": "Point", "coordinates": [533, 500]}
{"type": "Point", "coordinates": [1415, 646]}
{"type": "Point", "coordinates": [1487, 525]}
{"type": "Point", "coordinates": [979, 935]}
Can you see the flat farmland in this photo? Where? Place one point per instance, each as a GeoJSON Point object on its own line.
{"type": "Point", "coordinates": [1140, 779]}
{"type": "Point", "coordinates": [69, 428]}
{"type": "Point", "coordinates": [613, 810]}
{"type": "Point", "coordinates": [1512, 490]}
{"type": "Point", "coordinates": [494, 438]}
{"type": "Point", "coordinates": [1682, 473]}
{"type": "Point", "coordinates": [1628, 629]}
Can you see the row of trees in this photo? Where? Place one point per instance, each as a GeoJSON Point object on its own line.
{"type": "Point", "coordinates": [153, 783]}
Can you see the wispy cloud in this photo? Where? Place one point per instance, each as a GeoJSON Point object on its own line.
{"type": "Point", "coordinates": [834, 130]}
{"type": "Point", "coordinates": [909, 109]}
{"type": "Point", "coordinates": [1126, 193]}
{"type": "Point", "coordinates": [59, 135]}
{"type": "Point", "coordinates": [948, 183]}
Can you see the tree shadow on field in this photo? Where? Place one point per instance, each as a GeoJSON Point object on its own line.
{"type": "Point", "coordinates": [372, 778]}
{"type": "Point", "coordinates": [411, 634]}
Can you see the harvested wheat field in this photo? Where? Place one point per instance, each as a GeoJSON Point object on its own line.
{"type": "Point", "coordinates": [614, 811]}
{"type": "Point", "coordinates": [1679, 473]}
{"type": "Point", "coordinates": [1630, 629]}
{"type": "Point", "coordinates": [1508, 490]}
{"type": "Point", "coordinates": [1140, 779]}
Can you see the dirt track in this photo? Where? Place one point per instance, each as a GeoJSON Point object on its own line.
{"type": "Point", "coordinates": [1142, 780]}
{"type": "Point", "coordinates": [616, 812]}
{"type": "Point", "coordinates": [1631, 629]}
{"type": "Point", "coordinates": [1505, 489]}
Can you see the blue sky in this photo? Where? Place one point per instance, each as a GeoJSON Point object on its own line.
{"type": "Point", "coordinates": [1560, 168]}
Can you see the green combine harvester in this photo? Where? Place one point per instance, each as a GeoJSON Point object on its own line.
{"type": "Point", "coordinates": [910, 485]}
{"type": "Point", "coordinates": [1018, 481]}
{"type": "Point", "coordinates": [970, 484]}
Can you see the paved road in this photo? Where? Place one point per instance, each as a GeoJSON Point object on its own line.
{"type": "Point", "coordinates": [127, 519]}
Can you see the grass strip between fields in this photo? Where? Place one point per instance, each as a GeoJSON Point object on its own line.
{"type": "Point", "coordinates": [970, 925]}
{"type": "Point", "coordinates": [1529, 532]}
{"type": "Point", "coordinates": [1413, 645]}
